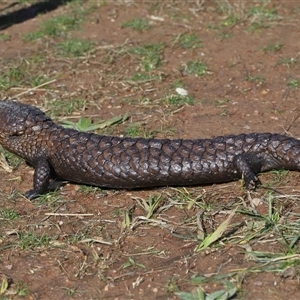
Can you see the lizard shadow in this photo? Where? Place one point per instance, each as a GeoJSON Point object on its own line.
{"type": "Point", "coordinates": [24, 14]}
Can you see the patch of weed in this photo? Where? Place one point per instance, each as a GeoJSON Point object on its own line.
{"type": "Point", "coordinates": [289, 62]}
{"type": "Point", "coordinates": [225, 35]}
{"type": "Point", "coordinates": [188, 41]}
{"type": "Point", "coordinates": [150, 55]}
{"type": "Point", "coordinates": [70, 292]}
{"type": "Point", "coordinates": [195, 67]}
{"type": "Point", "coordinates": [151, 205]}
{"type": "Point", "coordinates": [88, 189]}
{"type": "Point", "coordinates": [144, 77]}
{"type": "Point", "coordinates": [132, 263]}
{"type": "Point", "coordinates": [21, 288]}
{"type": "Point", "coordinates": [54, 27]}
{"type": "Point", "coordinates": [255, 78]}
{"type": "Point", "coordinates": [8, 214]}
{"type": "Point", "coordinates": [227, 293]}
{"type": "Point", "coordinates": [172, 285]}
{"type": "Point", "coordinates": [150, 58]}
{"type": "Point", "coordinates": [63, 24]}
{"type": "Point", "coordinates": [137, 130]}
{"type": "Point", "coordinates": [221, 102]}
{"type": "Point", "coordinates": [78, 236]}
{"type": "Point", "coordinates": [30, 240]}
{"type": "Point", "coordinates": [62, 107]}
{"type": "Point", "coordinates": [257, 26]}
{"type": "Point", "coordinates": [235, 12]}
{"type": "Point", "coordinates": [176, 99]}
{"type": "Point", "coordinates": [86, 124]}
{"type": "Point", "coordinates": [230, 21]}
{"type": "Point", "coordinates": [75, 47]}
{"type": "Point", "coordinates": [52, 198]}
{"type": "Point", "coordinates": [259, 17]}
{"type": "Point", "coordinates": [5, 37]}
{"type": "Point", "coordinates": [137, 24]}
{"type": "Point", "coordinates": [23, 73]}
{"type": "Point", "coordinates": [13, 160]}
{"type": "Point", "coordinates": [293, 83]}
{"type": "Point", "coordinates": [261, 13]}
{"type": "Point", "coordinates": [271, 48]}
{"type": "Point", "coordinates": [177, 83]}
{"type": "Point", "coordinates": [279, 177]}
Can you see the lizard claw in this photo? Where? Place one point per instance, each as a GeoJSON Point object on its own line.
{"type": "Point", "coordinates": [31, 194]}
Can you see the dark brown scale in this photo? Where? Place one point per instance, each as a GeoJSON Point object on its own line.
{"type": "Point", "coordinates": [113, 162]}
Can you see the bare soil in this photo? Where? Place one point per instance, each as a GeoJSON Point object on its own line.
{"type": "Point", "coordinates": [108, 249]}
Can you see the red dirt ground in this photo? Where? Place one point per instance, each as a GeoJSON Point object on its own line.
{"type": "Point", "coordinates": [247, 89]}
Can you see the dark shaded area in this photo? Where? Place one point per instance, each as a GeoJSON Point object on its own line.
{"type": "Point", "coordinates": [30, 12]}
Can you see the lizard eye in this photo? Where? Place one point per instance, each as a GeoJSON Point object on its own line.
{"type": "Point", "coordinates": [18, 133]}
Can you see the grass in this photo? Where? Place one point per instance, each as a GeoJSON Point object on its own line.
{"type": "Point", "coordinates": [176, 99]}
{"type": "Point", "coordinates": [222, 102]}
{"type": "Point", "coordinates": [75, 47]}
{"type": "Point", "coordinates": [149, 59]}
{"type": "Point", "coordinates": [151, 205]}
{"type": "Point", "coordinates": [195, 67]}
{"type": "Point", "coordinates": [255, 78]}
{"type": "Point", "coordinates": [5, 37]}
{"type": "Point", "coordinates": [137, 24]}
{"type": "Point", "coordinates": [87, 189]}
{"type": "Point", "coordinates": [272, 48]}
{"type": "Point", "coordinates": [30, 240]}
{"type": "Point", "coordinates": [61, 25]}
{"type": "Point", "coordinates": [131, 263]}
{"type": "Point", "coordinates": [138, 130]}
{"type": "Point", "coordinates": [52, 199]}
{"type": "Point", "coordinates": [289, 61]}
{"type": "Point", "coordinates": [86, 124]}
{"type": "Point", "coordinates": [8, 214]}
{"type": "Point", "coordinates": [54, 27]}
{"type": "Point", "coordinates": [78, 236]}
{"type": "Point", "coordinates": [225, 35]}
{"type": "Point", "coordinates": [21, 288]}
{"type": "Point", "coordinates": [65, 107]}
{"type": "Point", "coordinates": [21, 74]}
{"type": "Point", "coordinates": [255, 17]}
{"type": "Point", "coordinates": [293, 83]}
{"type": "Point", "coordinates": [260, 13]}
{"type": "Point", "coordinates": [145, 77]}
{"type": "Point", "coordinates": [189, 41]}
{"type": "Point", "coordinates": [71, 292]}
{"type": "Point", "coordinates": [150, 55]}
{"type": "Point", "coordinates": [10, 160]}
{"type": "Point", "coordinates": [228, 293]}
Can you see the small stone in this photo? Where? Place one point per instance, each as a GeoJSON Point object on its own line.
{"type": "Point", "coordinates": [181, 92]}
{"type": "Point", "coordinates": [257, 201]}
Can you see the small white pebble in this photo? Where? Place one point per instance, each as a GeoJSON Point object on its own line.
{"type": "Point", "coordinates": [181, 91]}
{"type": "Point", "coordinates": [257, 201]}
{"type": "Point", "coordinates": [157, 18]}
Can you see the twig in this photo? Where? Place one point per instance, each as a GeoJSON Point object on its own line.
{"type": "Point", "coordinates": [34, 88]}
{"type": "Point", "coordinates": [69, 215]}
{"type": "Point", "coordinates": [96, 241]}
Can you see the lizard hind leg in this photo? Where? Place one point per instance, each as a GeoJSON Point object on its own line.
{"type": "Point", "coordinates": [247, 166]}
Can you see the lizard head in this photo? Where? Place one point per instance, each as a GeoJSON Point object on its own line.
{"type": "Point", "coordinates": [17, 118]}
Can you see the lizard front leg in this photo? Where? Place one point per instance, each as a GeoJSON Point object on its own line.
{"type": "Point", "coordinates": [41, 178]}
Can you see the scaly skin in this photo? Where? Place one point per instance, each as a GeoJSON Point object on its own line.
{"type": "Point", "coordinates": [114, 162]}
